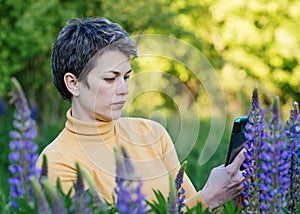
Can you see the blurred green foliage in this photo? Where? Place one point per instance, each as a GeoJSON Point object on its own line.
{"type": "Point", "coordinates": [249, 43]}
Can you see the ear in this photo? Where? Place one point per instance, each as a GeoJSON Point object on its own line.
{"type": "Point", "coordinates": [71, 82]}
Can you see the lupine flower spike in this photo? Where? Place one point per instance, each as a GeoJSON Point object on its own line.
{"type": "Point", "coordinates": [180, 190]}
{"type": "Point", "coordinates": [85, 200]}
{"type": "Point", "coordinates": [274, 165]}
{"type": "Point", "coordinates": [44, 170]}
{"type": "Point", "coordinates": [23, 154]}
{"type": "Point", "coordinates": [255, 140]}
{"type": "Point", "coordinates": [172, 205]}
{"type": "Point", "coordinates": [80, 199]}
{"type": "Point", "coordinates": [177, 193]}
{"type": "Point", "coordinates": [130, 198]}
{"type": "Point", "coordinates": [98, 203]}
{"type": "Point", "coordinates": [293, 133]}
{"type": "Point", "coordinates": [42, 205]}
{"type": "Point", "coordinates": [56, 202]}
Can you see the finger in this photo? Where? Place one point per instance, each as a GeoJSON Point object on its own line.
{"type": "Point", "coordinates": [240, 177]}
{"type": "Point", "coordinates": [238, 188]}
{"type": "Point", "coordinates": [221, 166]}
{"type": "Point", "coordinates": [238, 182]}
{"type": "Point", "coordinates": [238, 193]}
{"type": "Point", "coordinates": [239, 159]}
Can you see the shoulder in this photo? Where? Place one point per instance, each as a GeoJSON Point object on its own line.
{"type": "Point", "coordinates": [62, 151]}
{"type": "Point", "coordinates": [62, 145]}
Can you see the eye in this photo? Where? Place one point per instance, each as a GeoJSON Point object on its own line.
{"type": "Point", "coordinates": [109, 79]}
{"type": "Point", "coordinates": [126, 77]}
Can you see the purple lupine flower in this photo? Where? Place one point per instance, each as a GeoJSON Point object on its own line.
{"type": "Point", "coordinates": [34, 111]}
{"type": "Point", "coordinates": [172, 197]}
{"type": "Point", "coordinates": [85, 201]}
{"type": "Point", "coordinates": [57, 204]}
{"type": "Point", "coordinates": [80, 200]}
{"type": "Point", "coordinates": [81, 203]}
{"type": "Point", "coordinates": [172, 202]}
{"type": "Point", "coordinates": [130, 198]}
{"type": "Point", "coordinates": [255, 139]}
{"type": "Point", "coordinates": [44, 170]}
{"type": "Point", "coordinates": [2, 106]}
{"type": "Point", "coordinates": [274, 164]}
{"type": "Point", "coordinates": [96, 202]}
{"type": "Point", "coordinates": [42, 204]}
{"type": "Point", "coordinates": [293, 133]}
{"type": "Point", "coordinates": [180, 190]}
{"type": "Point", "coordinates": [23, 155]}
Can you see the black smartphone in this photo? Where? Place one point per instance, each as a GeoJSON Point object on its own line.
{"type": "Point", "coordinates": [237, 139]}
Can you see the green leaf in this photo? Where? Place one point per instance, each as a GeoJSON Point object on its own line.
{"type": "Point", "coordinates": [158, 206]}
{"type": "Point", "coordinates": [25, 207]}
{"type": "Point", "coordinates": [197, 209]}
{"type": "Point", "coordinates": [230, 207]}
{"type": "Point", "coordinates": [66, 197]}
{"type": "Point", "coordinates": [173, 191]}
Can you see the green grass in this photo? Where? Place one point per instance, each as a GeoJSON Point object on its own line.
{"type": "Point", "coordinates": [5, 127]}
{"type": "Point", "coordinates": [199, 173]}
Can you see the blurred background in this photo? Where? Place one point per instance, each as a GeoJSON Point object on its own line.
{"type": "Point", "coordinates": [248, 44]}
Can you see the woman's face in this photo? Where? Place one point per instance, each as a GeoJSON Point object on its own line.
{"type": "Point", "coordinates": [105, 96]}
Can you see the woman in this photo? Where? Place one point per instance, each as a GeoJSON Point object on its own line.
{"type": "Point", "coordinates": [91, 67]}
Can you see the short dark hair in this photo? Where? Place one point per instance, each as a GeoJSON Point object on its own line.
{"type": "Point", "coordinates": [79, 41]}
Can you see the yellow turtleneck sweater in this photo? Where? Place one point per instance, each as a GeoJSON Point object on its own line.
{"type": "Point", "coordinates": [91, 144]}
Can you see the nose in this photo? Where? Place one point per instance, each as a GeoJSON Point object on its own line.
{"type": "Point", "coordinates": [123, 88]}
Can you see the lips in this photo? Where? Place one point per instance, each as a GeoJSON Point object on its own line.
{"type": "Point", "coordinates": [119, 104]}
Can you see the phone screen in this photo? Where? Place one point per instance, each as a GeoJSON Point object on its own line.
{"type": "Point", "coordinates": [237, 138]}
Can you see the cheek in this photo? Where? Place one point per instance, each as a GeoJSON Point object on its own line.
{"type": "Point", "coordinates": [105, 94]}
{"type": "Point", "coordinates": [100, 89]}
{"type": "Point", "coordinates": [107, 89]}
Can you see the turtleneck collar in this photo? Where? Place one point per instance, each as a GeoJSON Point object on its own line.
{"type": "Point", "coordinates": [98, 128]}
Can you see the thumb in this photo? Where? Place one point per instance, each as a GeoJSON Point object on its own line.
{"type": "Point", "coordinates": [238, 160]}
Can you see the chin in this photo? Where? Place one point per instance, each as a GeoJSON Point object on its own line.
{"type": "Point", "coordinates": [108, 117]}
{"type": "Point", "coordinates": [116, 117]}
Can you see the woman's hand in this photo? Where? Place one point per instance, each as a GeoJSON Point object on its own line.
{"type": "Point", "coordinates": [224, 183]}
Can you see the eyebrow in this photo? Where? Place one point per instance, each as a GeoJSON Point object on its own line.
{"type": "Point", "coordinates": [118, 72]}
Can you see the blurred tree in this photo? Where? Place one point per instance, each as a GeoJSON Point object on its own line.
{"type": "Point", "coordinates": [258, 42]}
{"type": "Point", "coordinates": [28, 30]}
{"type": "Point", "coordinates": [249, 43]}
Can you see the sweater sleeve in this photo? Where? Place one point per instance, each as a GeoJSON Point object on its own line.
{"type": "Point", "coordinates": [172, 163]}
{"type": "Point", "coordinates": [196, 197]}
